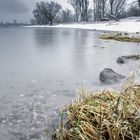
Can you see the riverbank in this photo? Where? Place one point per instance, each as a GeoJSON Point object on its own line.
{"type": "Point", "coordinates": [106, 114]}
{"type": "Point", "coordinates": [131, 24]}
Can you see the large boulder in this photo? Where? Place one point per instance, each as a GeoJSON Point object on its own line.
{"type": "Point", "coordinates": [109, 76]}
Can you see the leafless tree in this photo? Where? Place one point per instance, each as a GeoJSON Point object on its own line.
{"type": "Point", "coordinates": [103, 7]}
{"type": "Point", "coordinates": [32, 21]}
{"type": "Point", "coordinates": [40, 19]}
{"type": "Point", "coordinates": [81, 9]}
{"type": "Point", "coordinates": [134, 10]}
{"type": "Point", "coordinates": [111, 2]}
{"type": "Point", "coordinates": [97, 12]}
{"type": "Point", "coordinates": [76, 6]}
{"type": "Point", "coordinates": [66, 16]}
{"type": "Point", "coordinates": [84, 10]}
{"type": "Point", "coordinates": [99, 9]}
{"type": "Point", "coordinates": [46, 11]}
{"type": "Point", "coordinates": [90, 14]}
{"type": "Point", "coordinates": [116, 6]}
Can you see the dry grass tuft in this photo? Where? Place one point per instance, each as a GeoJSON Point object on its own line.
{"type": "Point", "coordinates": [104, 115]}
{"type": "Point", "coordinates": [120, 37]}
{"type": "Point", "coordinates": [134, 57]}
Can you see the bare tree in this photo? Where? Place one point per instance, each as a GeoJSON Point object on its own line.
{"type": "Point", "coordinates": [40, 18]}
{"type": "Point", "coordinates": [103, 7]}
{"type": "Point", "coordinates": [32, 21]}
{"type": "Point", "coordinates": [47, 10]}
{"type": "Point", "coordinates": [90, 14]}
{"type": "Point", "coordinates": [120, 7]}
{"type": "Point", "coordinates": [66, 15]}
{"type": "Point", "coordinates": [76, 6]}
{"type": "Point", "coordinates": [99, 9]}
{"type": "Point", "coordinates": [84, 10]}
{"type": "Point", "coordinates": [111, 2]}
{"type": "Point", "coordinates": [81, 9]}
{"type": "Point", "coordinates": [134, 10]}
{"type": "Point", "coordinates": [116, 6]}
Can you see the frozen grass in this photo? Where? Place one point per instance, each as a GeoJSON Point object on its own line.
{"type": "Point", "coordinates": [103, 115]}
{"type": "Point", "coordinates": [134, 57]}
{"type": "Point", "coordinates": [120, 37]}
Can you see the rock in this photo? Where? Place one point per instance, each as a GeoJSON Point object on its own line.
{"type": "Point", "coordinates": [35, 136]}
{"type": "Point", "coordinates": [109, 76]}
{"type": "Point", "coordinates": [121, 60]}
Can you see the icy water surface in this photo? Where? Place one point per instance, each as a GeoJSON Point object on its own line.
{"type": "Point", "coordinates": [40, 69]}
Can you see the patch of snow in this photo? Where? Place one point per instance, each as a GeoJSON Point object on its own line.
{"type": "Point", "coordinates": [130, 24]}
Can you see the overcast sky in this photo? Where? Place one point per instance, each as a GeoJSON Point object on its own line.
{"type": "Point", "coordinates": [20, 9]}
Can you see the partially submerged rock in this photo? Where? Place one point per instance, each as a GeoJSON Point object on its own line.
{"type": "Point", "coordinates": [123, 59]}
{"type": "Point", "coordinates": [109, 76]}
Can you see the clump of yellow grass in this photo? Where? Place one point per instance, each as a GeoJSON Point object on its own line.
{"type": "Point", "coordinates": [120, 37]}
{"type": "Point", "coordinates": [103, 115]}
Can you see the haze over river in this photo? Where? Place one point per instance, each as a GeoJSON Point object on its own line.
{"type": "Point", "coordinates": [40, 70]}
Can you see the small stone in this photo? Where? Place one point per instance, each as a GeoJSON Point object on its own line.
{"type": "Point", "coordinates": [121, 60]}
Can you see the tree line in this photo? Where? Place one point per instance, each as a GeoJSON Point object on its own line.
{"type": "Point", "coordinates": [49, 12]}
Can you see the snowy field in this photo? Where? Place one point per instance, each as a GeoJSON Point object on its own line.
{"type": "Point", "coordinates": [131, 24]}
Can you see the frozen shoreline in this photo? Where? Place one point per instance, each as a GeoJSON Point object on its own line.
{"type": "Point", "coordinates": [131, 25]}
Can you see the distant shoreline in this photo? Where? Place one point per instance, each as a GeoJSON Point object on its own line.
{"type": "Point", "coordinates": [131, 24]}
{"type": "Point", "coordinates": [12, 25]}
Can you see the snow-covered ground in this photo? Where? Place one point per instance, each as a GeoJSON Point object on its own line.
{"type": "Point", "coordinates": [131, 24]}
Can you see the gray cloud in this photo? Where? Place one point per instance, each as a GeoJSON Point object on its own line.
{"type": "Point", "coordinates": [13, 6]}
{"type": "Point", "coordinates": [20, 9]}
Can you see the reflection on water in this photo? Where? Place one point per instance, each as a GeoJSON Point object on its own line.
{"type": "Point", "coordinates": [40, 68]}
{"type": "Point", "coordinates": [44, 37]}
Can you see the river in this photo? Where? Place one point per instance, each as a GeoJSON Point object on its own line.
{"type": "Point", "coordinates": [40, 70]}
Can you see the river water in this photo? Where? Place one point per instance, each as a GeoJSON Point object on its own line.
{"type": "Point", "coordinates": [40, 70]}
